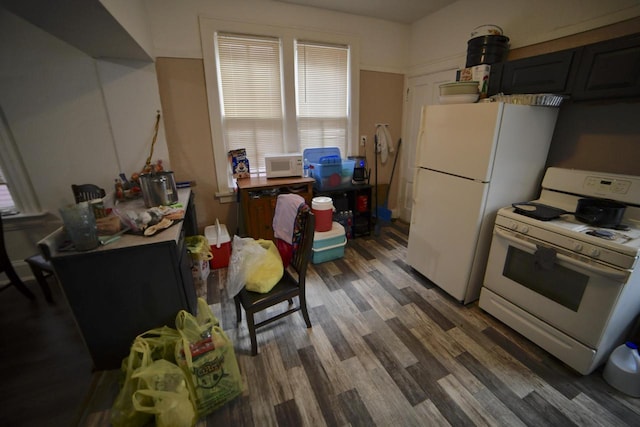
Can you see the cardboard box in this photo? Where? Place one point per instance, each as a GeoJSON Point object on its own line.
{"type": "Point", "coordinates": [479, 73]}
{"type": "Point", "coordinates": [200, 271]}
{"type": "Point", "coordinates": [239, 163]}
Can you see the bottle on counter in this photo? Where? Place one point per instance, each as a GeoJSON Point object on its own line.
{"type": "Point", "coordinates": [305, 170]}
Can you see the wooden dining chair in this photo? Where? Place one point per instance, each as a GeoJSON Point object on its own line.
{"type": "Point", "coordinates": [87, 192]}
{"type": "Point", "coordinates": [7, 268]}
{"type": "Point", "coordinates": [290, 286]}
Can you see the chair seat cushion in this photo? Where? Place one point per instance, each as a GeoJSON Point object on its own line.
{"type": "Point", "coordinates": [285, 289]}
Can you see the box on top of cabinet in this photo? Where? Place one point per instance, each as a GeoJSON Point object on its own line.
{"type": "Point", "coordinates": [479, 73]}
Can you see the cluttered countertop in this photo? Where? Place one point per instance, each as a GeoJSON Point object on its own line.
{"type": "Point", "coordinates": [55, 241]}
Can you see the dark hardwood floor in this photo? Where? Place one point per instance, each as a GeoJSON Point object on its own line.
{"type": "Point", "coordinates": [386, 348]}
{"type": "Point", "coordinates": [45, 369]}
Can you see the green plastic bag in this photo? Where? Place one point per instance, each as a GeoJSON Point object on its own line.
{"type": "Point", "coordinates": [163, 393]}
{"type": "Point", "coordinates": [198, 247]}
{"type": "Point", "coordinates": [162, 343]}
{"type": "Point", "coordinates": [207, 357]}
{"type": "Point", "coordinates": [123, 413]}
{"type": "Point", "coordinates": [155, 344]}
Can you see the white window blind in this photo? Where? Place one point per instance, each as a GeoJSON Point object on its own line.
{"type": "Point", "coordinates": [322, 95]}
{"type": "Point", "coordinates": [251, 86]}
{"type": "Point", "coordinates": [7, 205]}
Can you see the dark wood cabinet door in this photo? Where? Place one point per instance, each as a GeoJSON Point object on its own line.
{"type": "Point", "coordinates": [549, 73]}
{"type": "Point", "coordinates": [609, 69]}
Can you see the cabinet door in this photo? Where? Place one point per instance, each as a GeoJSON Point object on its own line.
{"type": "Point", "coordinates": [549, 73]}
{"type": "Point", "coordinates": [259, 218]}
{"type": "Point", "coordinates": [609, 69]}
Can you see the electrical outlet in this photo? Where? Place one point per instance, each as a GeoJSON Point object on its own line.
{"type": "Point", "coordinates": [363, 140]}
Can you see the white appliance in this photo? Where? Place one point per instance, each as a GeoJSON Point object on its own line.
{"type": "Point", "coordinates": [283, 165]}
{"type": "Point", "coordinates": [570, 287]}
{"type": "Point", "coordinates": [472, 159]}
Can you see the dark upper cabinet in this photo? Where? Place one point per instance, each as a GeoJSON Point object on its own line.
{"type": "Point", "coordinates": [609, 69]}
{"type": "Point", "coordinates": [549, 73]}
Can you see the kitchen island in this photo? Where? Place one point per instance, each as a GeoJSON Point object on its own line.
{"type": "Point", "coordinates": [120, 290]}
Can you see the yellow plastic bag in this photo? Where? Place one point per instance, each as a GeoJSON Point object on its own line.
{"type": "Point", "coordinates": [198, 247]}
{"type": "Point", "coordinates": [268, 271]}
{"type": "Point", "coordinates": [155, 344]}
{"type": "Point", "coordinates": [207, 357]}
{"type": "Point", "coordinates": [123, 414]}
{"type": "Point", "coordinates": [255, 264]}
{"type": "Point", "coordinates": [162, 343]}
{"type": "Point", "coordinates": [163, 393]}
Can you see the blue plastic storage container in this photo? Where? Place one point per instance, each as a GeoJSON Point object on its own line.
{"type": "Point", "coordinates": [326, 167]}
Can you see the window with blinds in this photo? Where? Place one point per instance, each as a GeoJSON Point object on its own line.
{"type": "Point", "coordinates": [322, 95]}
{"type": "Point", "coordinates": [7, 205]}
{"type": "Point", "coordinates": [253, 104]}
{"type": "Point", "coordinates": [251, 86]}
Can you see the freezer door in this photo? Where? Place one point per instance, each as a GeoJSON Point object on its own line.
{"type": "Point", "coordinates": [445, 224]}
{"type": "Point", "coordinates": [460, 139]}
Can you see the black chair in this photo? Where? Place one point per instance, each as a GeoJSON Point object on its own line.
{"type": "Point", "coordinates": [41, 268]}
{"type": "Point", "coordinates": [7, 268]}
{"type": "Point", "coordinates": [290, 286]}
{"type": "Point", "coordinates": [87, 192]}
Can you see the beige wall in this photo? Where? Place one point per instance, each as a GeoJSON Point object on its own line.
{"type": "Point", "coordinates": [381, 102]}
{"type": "Point", "coordinates": [186, 120]}
{"type": "Point", "coordinates": [184, 103]}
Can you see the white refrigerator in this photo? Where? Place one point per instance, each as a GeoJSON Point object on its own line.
{"type": "Point", "coordinates": [471, 160]}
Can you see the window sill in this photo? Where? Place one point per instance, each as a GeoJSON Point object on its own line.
{"type": "Point", "coordinates": [23, 216]}
{"type": "Point", "coordinates": [228, 197]}
{"type": "Point", "coordinates": [23, 221]}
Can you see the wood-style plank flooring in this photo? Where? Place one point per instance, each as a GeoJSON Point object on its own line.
{"type": "Point", "coordinates": [387, 348]}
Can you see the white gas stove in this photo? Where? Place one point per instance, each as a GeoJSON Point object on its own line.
{"type": "Point", "coordinates": [571, 287]}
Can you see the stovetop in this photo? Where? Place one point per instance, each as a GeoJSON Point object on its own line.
{"type": "Point", "coordinates": [562, 188]}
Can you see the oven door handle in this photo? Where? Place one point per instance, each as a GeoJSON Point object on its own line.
{"type": "Point", "coordinates": [529, 244]}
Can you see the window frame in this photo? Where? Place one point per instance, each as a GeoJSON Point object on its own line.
{"type": "Point", "coordinates": [15, 174]}
{"type": "Point", "coordinates": [209, 27]}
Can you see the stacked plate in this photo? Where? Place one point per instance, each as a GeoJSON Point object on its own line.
{"type": "Point", "coordinates": [544, 99]}
{"type": "Point", "coordinates": [459, 92]}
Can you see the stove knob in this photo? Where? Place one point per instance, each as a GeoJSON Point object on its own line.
{"type": "Point", "coordinates": [525, 229]}
{"type": "Point", "coordinates": [514, 226]}
{"type": "Point", "coordinates": [577, 247]}
{"type": "Point", "coordinates": [594, 252]}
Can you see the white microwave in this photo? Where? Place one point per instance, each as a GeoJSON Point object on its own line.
{"type": "Point", "coordinates": [283, 165]}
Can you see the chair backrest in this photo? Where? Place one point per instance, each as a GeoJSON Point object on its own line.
{"type": "Point", "coordinates": [302, 254]}
{"type": "Point", "coordinates": [87, 192]}
{"type": "Point", "coordinates": [3, 250]}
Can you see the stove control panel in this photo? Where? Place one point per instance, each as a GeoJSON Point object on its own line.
{"type": "Point", "coordinates": [603, 186]}
{"type": "Point", "coordinates": [623, 188]}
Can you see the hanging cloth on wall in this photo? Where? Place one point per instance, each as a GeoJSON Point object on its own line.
{"type": "Point", "coordinates": [385, 144]}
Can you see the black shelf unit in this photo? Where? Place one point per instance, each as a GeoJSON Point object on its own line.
{"type": "Point", "coordinates": [355, 198]}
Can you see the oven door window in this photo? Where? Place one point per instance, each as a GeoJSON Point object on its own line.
{"type": "Point", "coordinates": [558, 283]}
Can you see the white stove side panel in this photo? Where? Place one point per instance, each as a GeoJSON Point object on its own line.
{"type": "Point", "coordinates": [523, 145]}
